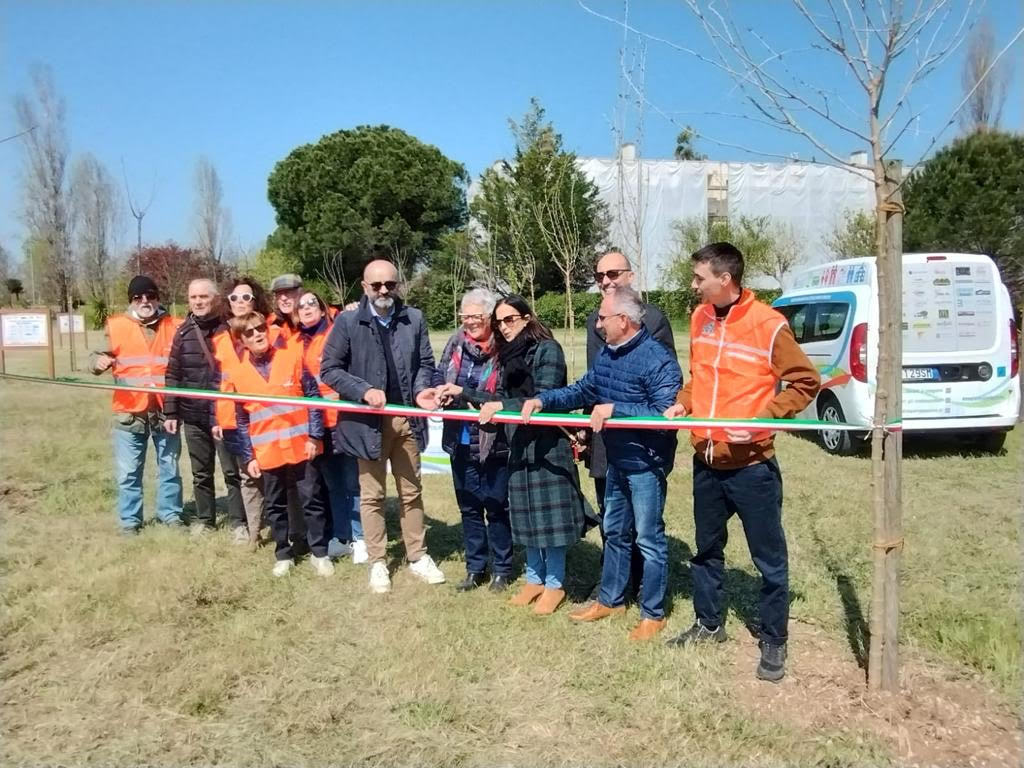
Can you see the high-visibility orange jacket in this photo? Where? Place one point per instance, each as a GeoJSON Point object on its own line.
{"type": "Point", "coordinates": [228, 356]}
{"type": "Point", "coordinates": [313, 351]}
{"type": "Point", "coordinates": [736, 365]}
{"type": "Point", "coordinates": [139, 362]}
{"type": "Point", "coordinates": [277, 433]}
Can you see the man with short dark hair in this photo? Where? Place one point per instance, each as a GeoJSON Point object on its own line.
{"type": "Point", "coordinates": [192, 366]}
{"type": "Point", "coordinates": [740, 351]}
{"type": "Point", "coordinates": [633, 376]}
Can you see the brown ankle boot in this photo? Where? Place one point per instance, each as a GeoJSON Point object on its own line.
{"type": "Point", "coordinates": [595, 611]}
{"type": "Point", "coordinates": [549, 602]}
{"type": "Point", "coordinates": [646, 629]}
{"type": "Point", "coordinates": [527, 594]}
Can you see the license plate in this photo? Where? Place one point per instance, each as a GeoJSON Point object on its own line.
{"type": "Point", "coordinates": [920, 374]}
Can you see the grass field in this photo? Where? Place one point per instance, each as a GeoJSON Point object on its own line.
{"type": "Point", "coordinates": [170, 650]}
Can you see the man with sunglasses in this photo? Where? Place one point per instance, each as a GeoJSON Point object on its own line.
{"type": "Point", "coordinates": [380, 354]}
{"type": "Point", "coordinates": [139, 344]}
{"type": "Point", "coordinates": [285, 320]}
{"type": "Point", "coordinates": [192, 365]}
{"type": "Point", "coordinates": [613, 271]}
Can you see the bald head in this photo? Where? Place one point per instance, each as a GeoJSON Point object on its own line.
{"type": "Point", "coordinates": [613, 271]}
{"type": "Point", "coordinates": [380, 284]}
{"type": "Point", "coordinates": [202, 297]}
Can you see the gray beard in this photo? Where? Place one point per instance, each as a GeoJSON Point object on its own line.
{"type": "Point", "coordinates": [383, 303]}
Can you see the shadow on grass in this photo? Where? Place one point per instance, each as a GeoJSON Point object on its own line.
{"type": "Point", "coordinates": [857, 633]}
{"type": "Point", "coordinates": [917, 445]}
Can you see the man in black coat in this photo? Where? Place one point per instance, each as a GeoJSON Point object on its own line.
{"type": "Point", "coordinates": [191, 365]}
{"type": "Point", "coordinates": [614, 271]}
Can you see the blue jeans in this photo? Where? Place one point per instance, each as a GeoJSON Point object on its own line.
{"type": "Point", "coordinates": [755, 494]}
{"type": "Point", "coordinates": [130, 463]}
{"type": "Point", "coordinates": [546, 566]}
{"type": "Point", "coordinates": [483, 488]}
{"type": "Point", "coordinates": [341, 476]}
{"type": "Point", "coordinates": [635, 500]}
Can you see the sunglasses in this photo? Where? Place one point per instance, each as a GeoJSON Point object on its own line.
{"type": "Point", "coordinates": [507, 319]}
{"type": "Point", "coordinates": [145, 297]}
{"type": "Point", "coordinates": [389, 284]}
{"type": "Point", "coordinates": [611, 274]}
{"type": "Point", "coordinates": [253, 330]}
{"type": "Point", "coordinates": [309, 303]}
{"type": "Point", "coordinates": [235, 298]}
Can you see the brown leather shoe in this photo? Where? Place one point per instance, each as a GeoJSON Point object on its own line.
{"type": "Point", "coordinates": [549, 601]}
{"type": "Point", "coordinates": [527, 594]}
{"type": "Point", "coordinates": [595, 610]}
{"type": "Point", "coordinates": [646, 629]}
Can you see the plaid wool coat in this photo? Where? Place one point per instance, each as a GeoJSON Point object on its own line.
{"type": "Point", "coordinates": [545, 502]}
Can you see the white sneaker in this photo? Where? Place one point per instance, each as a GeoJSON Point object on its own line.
{"type": "Point", "coordinates": [322, 565]}
{"type": "Point", "coordinates": [380, 581]}
{"type": "Point", "coordinates": [426, 570]}
{"type": "Point", "coordinates": [240, 535]}
{"type": "Point", "coordinates": [359, 553]}
{"type": "Point", "coordinates": [337, 549]}
{"type": "Point", "coordinates": [282, 567]}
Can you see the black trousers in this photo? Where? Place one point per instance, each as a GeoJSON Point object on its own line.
{"type": "Point", "coordinates": [203, 451]}
{"type": "Point", "coordinates": [306, 480]}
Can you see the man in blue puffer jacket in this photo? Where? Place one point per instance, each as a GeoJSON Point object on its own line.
{"type": "Point", "coordinates": [634, 375]}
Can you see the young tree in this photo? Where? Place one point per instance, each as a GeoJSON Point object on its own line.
{"type": "Point", "coordinates": [14, 288]}
{"type": "Point", "coordinates": [684, 146]}
{"type": "Point", "coordinates": [139, 211]}
{"type": "Point", "coordinates": [96, 213]}
{"type": "Point", "coordinates": [985, 82]}
{"type": "Point", "coordinates": [852, 237]}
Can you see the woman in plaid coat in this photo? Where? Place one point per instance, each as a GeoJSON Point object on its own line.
{"type": "Point", "coordinates": [545, 501]}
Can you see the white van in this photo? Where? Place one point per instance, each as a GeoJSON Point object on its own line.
{"type": "Point", "coordinates": [960, 345]}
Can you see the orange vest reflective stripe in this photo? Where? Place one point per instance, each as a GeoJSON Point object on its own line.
{"type": "Point", "coordinates": [311, 356]}
{"type": "Point", "coordinates": [730, 361]}
{"type": "Point", "coordinates": [278, 432]}
{"type": "Point", "coordinates": [227, 358]}
{"type": "Point", "coordinates": [138, 362]}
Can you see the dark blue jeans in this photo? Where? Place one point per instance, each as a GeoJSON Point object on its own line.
{"type": "Point", "coordinates": [755, 494]}
{"type": "Point", "coordinates": [635, 501]}
{"type": "Point", "coordinates": [479, 489]}
{"type": "Point", "coordinates": [341, 478]}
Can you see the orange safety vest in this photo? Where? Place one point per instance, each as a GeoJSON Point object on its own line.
{"type": "Point", "coordinates": [227, 358]}
{"type": "Point", "coordinates": [312, 353]}
{"type": "Point", "coordinates": [278, 432]}
{"type": "Point", "coordinates": [138, 362]}
{"type": "Point", "coordinates": [731, 363]}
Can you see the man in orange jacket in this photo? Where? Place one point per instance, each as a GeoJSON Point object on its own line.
{"type": "Point", "coordinates": [140, 342]}
{"type": "Point", "coordinates": [740, 351]}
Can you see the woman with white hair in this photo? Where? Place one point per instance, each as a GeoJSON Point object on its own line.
{"type": "Point", "coordinates": [479, 454]}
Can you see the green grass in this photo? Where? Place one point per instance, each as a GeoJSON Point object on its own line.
{"type": "Point", "coordinates": [165, 649]}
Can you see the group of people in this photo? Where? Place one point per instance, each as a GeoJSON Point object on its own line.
{"type": "Point", "coordinates": [319, 479]}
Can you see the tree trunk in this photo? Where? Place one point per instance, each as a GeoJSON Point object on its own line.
{"type": "Point", "coordinates": [570, 324]}
{"type": "Point", "coordinates": [886, 445]}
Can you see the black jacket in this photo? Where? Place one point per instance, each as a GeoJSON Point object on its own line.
{"type": "Point", "coordinates": [353, 362]}
{"type": "Point", "coordinates": [189, 367]}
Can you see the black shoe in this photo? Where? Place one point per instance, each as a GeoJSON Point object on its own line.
{"type": "Point", "coordinates": [472, 581]}
{"type": "Point", "coordinates": [698, 633]}
{"type": "Point", "coordinates": [500, 582]}
{"type": "Point", "coordinates": [772, 666]}
{"type": "Point", "coordinates": [595, 593]}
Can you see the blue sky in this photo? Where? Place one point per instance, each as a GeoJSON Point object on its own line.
{"type": "Point", "coordinates": [159, 83]}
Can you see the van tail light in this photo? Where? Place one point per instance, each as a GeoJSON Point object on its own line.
{"type": "Point", "coordinates": [1014, 349]}
{"type": "Point", "coordinates": [859, 352]}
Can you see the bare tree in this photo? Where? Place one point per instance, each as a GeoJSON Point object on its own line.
{"type": "Point", "coordinates": [139, 212]}
{"type": "Point", "coordinates": [885, 49]}
{"type": "Point", "coordinates": [41, 119]}
{"type": "Point", "coordinates": [333, 273]}
{"type": "Point", "coordinates": [213, 220]}
{"type": "Point", "coordinates": [986, 92]}
{"type": "Point", "coordinates": [96, 215]}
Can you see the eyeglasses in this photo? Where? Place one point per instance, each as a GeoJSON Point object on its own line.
{"type": "Point", "coordinates": [310, 302]}
{"type": "Point", "coordinates": [508, 319]}
{"type": "Point", "coordinates": [611, 274]}
{"type": "Point", "coordinates": [235, 298]}
{"type": "Point", "coordinates": [389, 284]}
{"type": "Point", "coordinates": [145, 297]}
{"type": "Point", "coordinates": [472, 318]}
{"type": "Point", "coordinates": [254, 329]}
{"type": "Point", "coordinates": [605, 318]}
